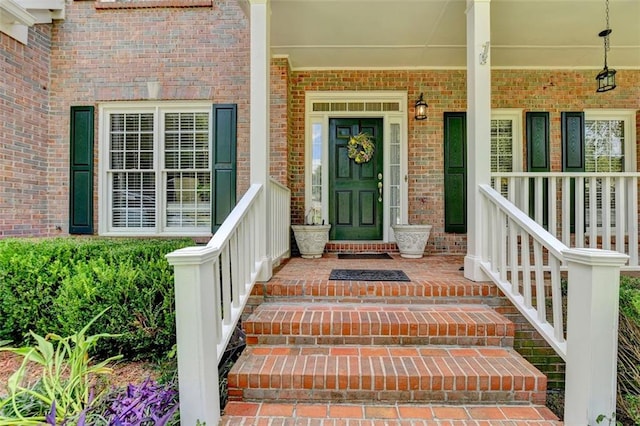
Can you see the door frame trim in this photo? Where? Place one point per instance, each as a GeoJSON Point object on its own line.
{"type": "Point", "coordinates": [320, 120]}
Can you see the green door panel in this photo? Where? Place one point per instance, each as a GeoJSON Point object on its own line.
{"type": "Point", "coordinates": [455, 172]}
{"type": "Point", "coordinates": [538, 160]}
{"type": "Point", "coordinates": [81, 170]}
{"type": "Point", "coordinates": [224, 163]}
{"type": "Point", "coordinates": [355, 206]}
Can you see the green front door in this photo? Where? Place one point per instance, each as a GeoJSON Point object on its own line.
{"type": "Point", "coordinates": [355, 190]}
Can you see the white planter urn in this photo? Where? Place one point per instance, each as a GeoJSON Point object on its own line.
{"type": "Point", "coordinates": [311, 239]}
{"type": "Point", "coordinates": [411, 239]}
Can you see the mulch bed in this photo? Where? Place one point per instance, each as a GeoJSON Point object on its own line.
{"type": "Point", "coordinates": [124, 372]}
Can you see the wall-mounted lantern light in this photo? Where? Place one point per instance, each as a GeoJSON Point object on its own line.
{"type": "Point", "coordinates": [421, 109]}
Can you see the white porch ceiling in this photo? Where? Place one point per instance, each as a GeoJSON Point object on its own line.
{"type": "Point", "coordinates": [339, 34]}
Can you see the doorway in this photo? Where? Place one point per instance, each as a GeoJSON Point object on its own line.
{"type": "Point", "coordinates": [355, 190]}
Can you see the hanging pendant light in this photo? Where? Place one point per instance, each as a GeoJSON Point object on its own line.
{"type": "Point", "coordinates": [607, 77]}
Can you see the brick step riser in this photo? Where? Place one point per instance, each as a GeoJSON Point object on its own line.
{"type": "Point", "coordinates": [375, 324]}
{"type": "Point", "coordinates": [286, 421]}
{"type": "Point", "coordinates": [413, 389]}
{"type": "Point", "coordinates": [396, 374]}
{"type": "Point", "coordinates": [331, 414]}
{"type": "Point", "coordinates": [361, 396]}
{"type": "Point", "coordinates": [359, 289]}
{"type": "Point", "coordinates": [388, 300]}
{"type": "Point", "coordinates": [380, 340]}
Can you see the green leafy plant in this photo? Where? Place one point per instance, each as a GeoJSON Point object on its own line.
{"type": "Point", "coordinates": [61, 283]}
{"type": "Point", "coordinates": [610, 419]}
{"type": "Point", "coordinates": [148, 403]}
{"type": "Point", "coordinates": [628, 401]}
{"type": "Point", "coordinates": [68, 381]}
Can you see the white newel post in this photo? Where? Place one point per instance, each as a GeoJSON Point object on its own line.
{"type": "Point", "coordinates": [259, 128]}
{"type": "Point", "coordinates": [478, 128]}
{"type": "Point", "coordinates": [592, 334]}
{"type": "Point", "coordinates": [197, 331]}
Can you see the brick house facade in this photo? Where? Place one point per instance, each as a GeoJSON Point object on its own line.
{"type": "Point", "coordinates": [102, 53]}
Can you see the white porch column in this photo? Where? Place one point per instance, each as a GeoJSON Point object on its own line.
{"type": "Point", "coordinates": [478, 128]}
{"type": "Point", "coordinates": [592, 334]}
{"type": "Point", "coordinates": [259, 130]}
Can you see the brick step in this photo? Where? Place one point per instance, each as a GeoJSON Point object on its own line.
{"type": "Point", "coordinates": [422, 292]}
{"type": "Point", "coordinates": [389, 373]}
{"type": "Point", "coordinates": [332, 414]}
{"type": "Point", "coordinates": [377, 324]}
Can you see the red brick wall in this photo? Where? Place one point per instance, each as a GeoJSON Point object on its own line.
{"type": "Point", "coordinates": [202, 53]}
{"type": "Point", "coordinates": [279, 125]}
{"type": "Point", "coordinates": [197, 53]}
{"type": "Point", "coordinates": [24, 138]}
{"type": "Point", "coordinates": [445, 90]}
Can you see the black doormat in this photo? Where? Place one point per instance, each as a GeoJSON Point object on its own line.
{"type": "Point", "coordinates": [358, 256]}
{"type": "Point", "coordinates": [367, 275]}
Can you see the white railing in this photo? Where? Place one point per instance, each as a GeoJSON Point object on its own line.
{"type": "Point", "coordinates": [526, 262]}
{"type": "Point", "coordinates": [212, 285]}
{"type": "Point", "coordinates": [280, 207]}
{"type": "Point", "coordinates": [604, 206]}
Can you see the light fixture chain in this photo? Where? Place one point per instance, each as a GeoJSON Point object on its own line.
{"type": "Point", "coordinates": [606, 37]}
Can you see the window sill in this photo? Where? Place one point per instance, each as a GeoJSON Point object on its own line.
{"type": "Point", "coordinates": [146, 4]}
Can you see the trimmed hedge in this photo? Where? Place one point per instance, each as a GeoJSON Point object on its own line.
{"type": "Point", "coordinates": [58, 285]}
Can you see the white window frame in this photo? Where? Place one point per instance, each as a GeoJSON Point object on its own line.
{"type": "Point", "coordinates": [629, 118]}
{"type": "Point", "coordinates": [104, 185]}
{"type": "Point", "coordinates": [515, 115]}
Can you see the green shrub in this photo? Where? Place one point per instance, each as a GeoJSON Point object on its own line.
{"type": "Point", "coordinates": [629, 351]}
{"type": "Point", "coordinates": [60, 284]}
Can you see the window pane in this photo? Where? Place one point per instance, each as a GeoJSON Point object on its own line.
{"type": "Point", "coordinates": [604, 153]}
{"type": "Point", "coordinates": [604, 145]}
{"type": "Point", "coordinates": [184, 141]}
{"type": "Point", "coordinates": [133, 192]}
{"type": "Point", "coordinates": [188, 175]}
{"type": "Point", "coordinates": [502, 149]}
{"type": "Point", "coordinates": [133, 200]}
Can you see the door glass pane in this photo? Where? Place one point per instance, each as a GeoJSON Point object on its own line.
{"type": "Point", "coordinates": [394, 171]}
{"type": "Point", "coordinates": [316, 173]}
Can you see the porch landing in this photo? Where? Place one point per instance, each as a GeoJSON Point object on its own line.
{"type": "Point", "coordinates": [426, 352]}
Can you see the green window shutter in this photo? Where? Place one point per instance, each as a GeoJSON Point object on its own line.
{"type": "Point", "coordinates": [538, 159]}
{"type": "Point", "coordinates": [573, 158]}
{"type": "Point", "coordinates": [455, 172]}
{"type": "Point", "coordinates": [538, 141]}
{"type": "Point", "coordinates": [81, 171]}
{"type": "Point", "coordinates": [572, 141]}
{"type": "Point", "coordinates": [224, 162]}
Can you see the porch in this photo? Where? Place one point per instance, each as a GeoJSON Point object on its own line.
{"type": "Point", "coordinates": [523, 261]}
